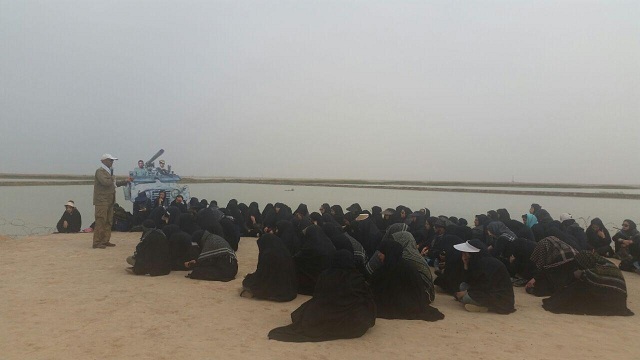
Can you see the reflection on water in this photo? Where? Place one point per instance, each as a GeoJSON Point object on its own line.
{"type": "Point", "coordinates": [36, 209]}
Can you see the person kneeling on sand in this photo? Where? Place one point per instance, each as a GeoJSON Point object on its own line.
{"type": "Point", "coordinates": [152, 255]}
{"type": "Point", "coordinates": [217, 260]}
{"type": "Point", "coordinates": [487, 284]}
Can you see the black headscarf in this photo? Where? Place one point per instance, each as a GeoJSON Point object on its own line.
{"type": "Point", "coordinates": [326, 208]}
{"type": "Point", "coordinates": [338, 214]}
{"type": "Point", "coordinates": [313, 258]}
{"type": "Point", "coordinates": [504, 215]}
{"type": "Point", "coordinates": [493, 215]}
{"type": "Point", "coordinates": [302, 210]}
{"type": "Point", "coordinates": [287, 233]}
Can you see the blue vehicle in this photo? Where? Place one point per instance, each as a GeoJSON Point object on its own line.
{"type": "Point", "coordinates": [154, 180]}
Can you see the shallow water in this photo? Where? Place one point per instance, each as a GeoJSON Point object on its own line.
{"type": "Point", "coordinates": [36, 209]}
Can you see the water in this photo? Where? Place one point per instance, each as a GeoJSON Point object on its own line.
{"type": "Point", "coordinates": [36, 209]}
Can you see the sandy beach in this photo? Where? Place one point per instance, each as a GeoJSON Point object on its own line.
{"type": "Point", "coordinates": [61, 299]}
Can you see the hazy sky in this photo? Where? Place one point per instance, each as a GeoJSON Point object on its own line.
{"type": "Point", "coordinates": [544, 91]}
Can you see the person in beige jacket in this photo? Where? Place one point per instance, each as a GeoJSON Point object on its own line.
{"type": "Point", "coordinates": [104, 196]}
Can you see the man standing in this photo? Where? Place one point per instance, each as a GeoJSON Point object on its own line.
{"type": "Point", "coordinates": [104, 196]}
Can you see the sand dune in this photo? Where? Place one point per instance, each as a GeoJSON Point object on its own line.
{"type": "Point", "coordinates": [61, 299]}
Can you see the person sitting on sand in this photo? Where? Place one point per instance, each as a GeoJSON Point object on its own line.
{"type": "Point", "coordinates": [342, 240]}
{"type": "Point", "coordinates": [569, 226]}
{"type": "Point", "coordinates": [398, 290]}
{"type": "Point", "coordinates": [364, 230]}
{"type": "Point", "coordinates": [535, 209]}
{"type": "Point", "coordinates": [254, 220]}
{"type": "Point", "coordinates": [342, 306]}
{"type": "Point", "coordinates": [179, 203]}
{"type": "Point", "coordinates": [599, 238]}
{"type": "Point", "coordinates": [141, 208]}
{"type": "Point", "coordinates": [554, 266]}
{"type": "Point", "coordinates": [181, 249]}
{"type": "Point", "coordinates": [285, 231]}
{"type": "Point", "coordinates": [152, 255]}
{"type": "Point", "coordinates": [71, 220]}
{"type": "Point", "coordinates": [161, 200]}
{"type": "Point", "coordinates": [487, 285]}
{"type": "Point", "coordinates": [597, 288]}
{"type": "Point", "coordinates": [529, 220]}
{"type": "Point", "coordinates": [217, 260]}
{"type": "Point", "coordinates": [500, 237]}
{"type": "Point", "coordinates": [520, 265]}
{"type": "Point", "coordinates": [626, 239]}
{"type": "Point", "coordinates": [275, 275]}
{"type": "Point", "coordinates": [399, 233]}
{"type": "Point", "coordinates": [313, 258]}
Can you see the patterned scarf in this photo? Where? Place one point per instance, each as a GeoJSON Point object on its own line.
{"type": "Point", "coordinates": [551, 252]}
{"type": "Point", "coordinates": [601, 272]}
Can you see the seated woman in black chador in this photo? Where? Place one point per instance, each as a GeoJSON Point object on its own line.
{"type": "Point", "coordinates": [275, 275]}
{"type": "Point", "coordinates": [598, 288]}
{"type": "Point", "coordinates": [554, 266]}
{"type": "Point", "coordinates": [217, 260]}
{"type": "Point", "coordinates": [487, 284]}
{"type": "Point", "coordinates": [500, 237]}
{"type": "Point", "coordinates": [338, 214]}
{"type": "Point", "coordinates": [599, 238]}
{"type": "Point", "coordinates": [254, 220]}
{"type": "Point", "coordinates": [285, 230]}
{"type": "Point", "coordinates": [313, 258]}
{"type": "Point", "coordinates": [627, 240]}
{"type": "Point", "coordinates": [70, 221]}
{"type": "Point", "coordinates": [181, 249]}
{"type": "Point", "coordinates": [188, 223]}
{"type": "Point", "coordinates": [342, 240]}
{"type": "Point", "coordinates": [342, 306]}
{"type": "Point", "coordinates": [161, 200]}
{"type": "Point", "coordinates": [152, 255]}
{"type": "Point", "coordinates": [480, 223]}
{"type": "Point", "coordinates": [398, 289]}
{"type": "Point", "coordinates": [520, 264]}
{"type": "Point", "coordinates": [142, 207]}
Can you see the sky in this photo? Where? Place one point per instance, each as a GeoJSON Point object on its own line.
{"type": "Point", "coordinates": [529, 91]}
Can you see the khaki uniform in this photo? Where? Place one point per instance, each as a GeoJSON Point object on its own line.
{"type": "Point", "coordinates": [104, 196]}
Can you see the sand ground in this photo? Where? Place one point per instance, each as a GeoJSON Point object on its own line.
{"type": "Point", "coordinates": [61, 299]}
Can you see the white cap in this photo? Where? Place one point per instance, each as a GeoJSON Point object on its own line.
{"type": "Point", "coordinates": [70, 203]}
{"type": "Point", "coordinates": [466, 247]}
{"type": "Point", "coordinates": [565, 216]}
{"type": "Point", "coordinates": [362, 217]}
{"type": "Point", "coordinates": [108, 156]}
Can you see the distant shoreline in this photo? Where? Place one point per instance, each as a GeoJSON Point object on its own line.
{"type": "Point", "coordinates": [452, 186]}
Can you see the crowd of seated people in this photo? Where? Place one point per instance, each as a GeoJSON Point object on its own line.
{"type": "Point", "coordinates": [360, 265]}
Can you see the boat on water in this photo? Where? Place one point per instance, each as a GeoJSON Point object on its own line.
{"type": "Point", "coordinates": [292, 189]}
{"type": "Point", "coordinates": [152, 180]}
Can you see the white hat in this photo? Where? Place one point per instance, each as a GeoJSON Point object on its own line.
{"type": "Point", "coordinates": [466, 247]}
{"type": "Point", "coordinates": [70, 203]}
{"type": "Point", "coordinates": [565, 216]}
{"type": "Point", "coordinates": [106, 156]}
{"type": "Point", "coordinates": [362, 217]}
